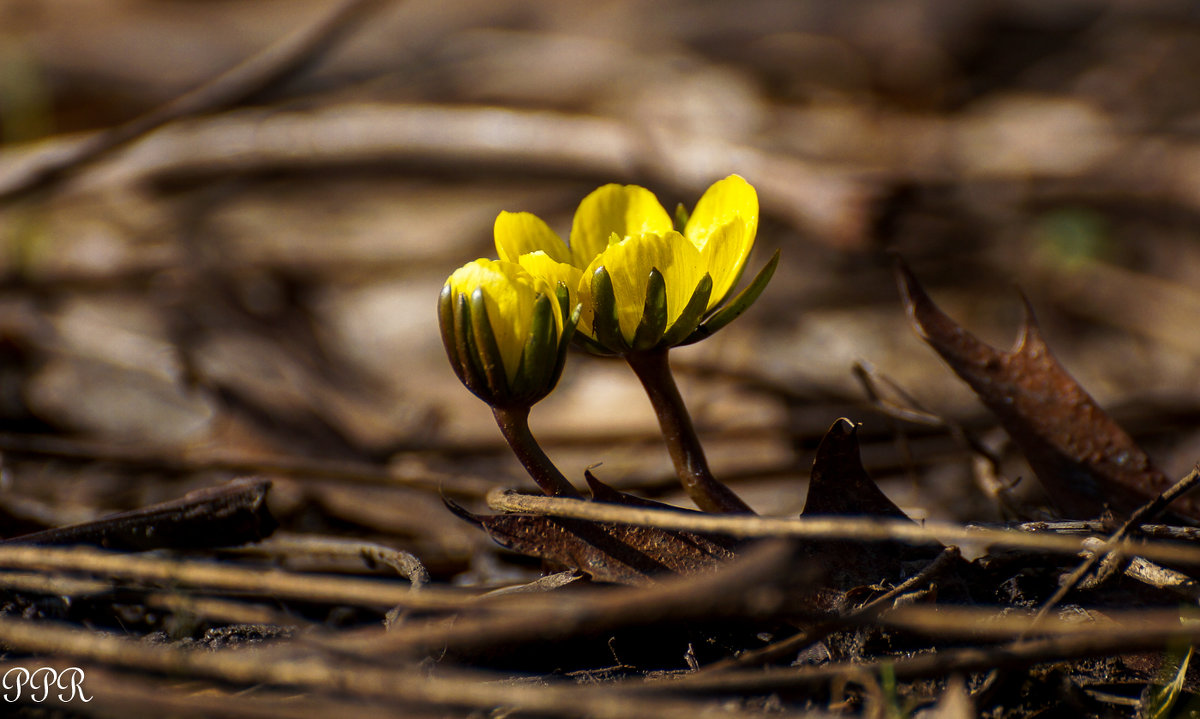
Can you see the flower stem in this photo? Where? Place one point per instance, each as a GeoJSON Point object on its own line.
{"type": "Point", "coordinates": [514, 425]}
{"type": "Point", "coordinates": [709, 494]}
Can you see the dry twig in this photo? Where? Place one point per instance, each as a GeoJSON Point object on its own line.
{"type": "Point", "coordinates": [847, 528]}
{"type": "Point", "coordinates": [867, 611]}
{"type": "Point", "coordinates": [1111, 551]}
{"type": "Point", "coordinates": [222, 577]}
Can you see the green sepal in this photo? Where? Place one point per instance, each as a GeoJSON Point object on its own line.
{"type": "Point", "coordinates": [654, 314]}
{"type": "Point", "coordinates": [681, 218]}
{"type": "Point", "coordinates": [563, 296]}
{"type": "Point", "coordinates": [570, 316]}
{"type": "Point", "coordinates": [488, 349]}
{"type": "Point", "coordinates": [564, 342]}
{"type": "Point", "coordinates": [692, 312]}
{"type": "Point", "coordinates": [446, 324]}
{"type": "Point", "coordinates": [737, 305]}
{"type": "Point", "coordinates": [468, 358]}
{"type": "Point", "coordinates": [570, 330]}
{"type": "Point", "coordinates": [539, 354]}
{"type": "Point", "coordinates": [605, 324]}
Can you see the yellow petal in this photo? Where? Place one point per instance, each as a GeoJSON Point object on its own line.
{"type": "Point", "coordinates": [509, 292]}
{"type": "Point", "coordinates": [723, 227]}
{"type": "Point", "coordinates": [724, 258]}
{"type": "Point", "coordinates": [549, 273]}
{"type": "Point", "coordinates": [519, 233]}
{"type": "Point", "coordinates": [729, 200]}
{"type": "Point", "coordinates": [624, 210]}
{"type": "Point", "coordinates": [629, 263]}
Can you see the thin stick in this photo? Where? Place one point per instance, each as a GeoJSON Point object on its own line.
{"type": "Point", "coordinates": [212, 576]}
{"type": "Point", "coordinates": [848, 528]}
{"type": "Point", "coordinates": [307, 546]}
{"type": "Point", "coordinates": [1156, 575]}
{"type": "Point", "coordinates": [916, 413]}
{"type": "Point", "coordinates": [1145, 512]}
{"type": "Point", "coordinates": [654, 371]}
{"type": "Point", "coordinates": [871, 609]}
{"type": "Point", "coordinates": [222, 610]}
{"type": "Point", "coordinates": [1096, 526]}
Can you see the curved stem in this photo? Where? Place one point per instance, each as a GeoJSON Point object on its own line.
{"type": "Point", "coordinates": [709, 494]}
{"type": "Point", "coordinates": [514, 425]}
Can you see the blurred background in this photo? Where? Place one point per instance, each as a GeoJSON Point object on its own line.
{"type": "Point", "coordinates": [248, 286]}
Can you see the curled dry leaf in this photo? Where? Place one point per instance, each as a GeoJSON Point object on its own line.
{"type": "Point", "coordinates": [840, 485]}
{"type": "Point", "coordinates": [1086, 462]}
{"type": "Point", "coordinates": [606, 551]}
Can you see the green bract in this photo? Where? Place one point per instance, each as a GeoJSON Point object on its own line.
{"type": "Point", "coordinates": [506, 331]}
{"type": "Point", "coordinates": [643, 283]}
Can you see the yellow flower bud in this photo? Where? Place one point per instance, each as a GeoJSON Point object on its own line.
{"type": "Point", "coordinates": [505, 331]}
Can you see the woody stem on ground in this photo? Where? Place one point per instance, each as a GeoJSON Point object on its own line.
{"type": "Point", "coordinates": [514, 425]}
{"type": "Point", "coordinates": [653, 369]}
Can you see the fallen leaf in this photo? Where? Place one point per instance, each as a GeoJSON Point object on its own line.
{"type": "Point", "coordinates": [224, 516]}
{"type": "Point", "coordinates": [840, 486]}
{"type": "Point", "coordinates": [1086, 462]}
{"type": "Point", "coordinates": [606, 551]}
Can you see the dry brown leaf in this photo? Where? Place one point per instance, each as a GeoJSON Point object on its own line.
{"type": "Point", "coordinates": [1086, 462]}
{"type": "Point", "coordinates": [839, 485]}
{"type": "Point", "coordinates": [223, 516]}
{"type": "Point", "coordinates": [606, 551]}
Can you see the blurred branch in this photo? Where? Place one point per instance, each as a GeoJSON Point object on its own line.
{"type": "Point", "coordinates": [831, 200]}
{"type": "Point", "coordinates": [254, 464]}
{"type": "Point", "coordinates": [270, 67]}
{"type": "Point", "coordinates": [828, 203]}
{"type": "Point", "coordinates": [213, 577]}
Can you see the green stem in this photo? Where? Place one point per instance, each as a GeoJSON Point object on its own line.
{"type": "Point", "coordinates": [514, 425]}
{"type": "Point", "coordinates": [654, 370]}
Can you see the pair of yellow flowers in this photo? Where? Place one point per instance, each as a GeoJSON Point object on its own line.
{"type": "Point", "coordinates": [630, 279]}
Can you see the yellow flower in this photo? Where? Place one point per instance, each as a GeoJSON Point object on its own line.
{"type": "Point", "coordinates": [505, 331]}
{"type": "Point", "coordinates": [642, 281]}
